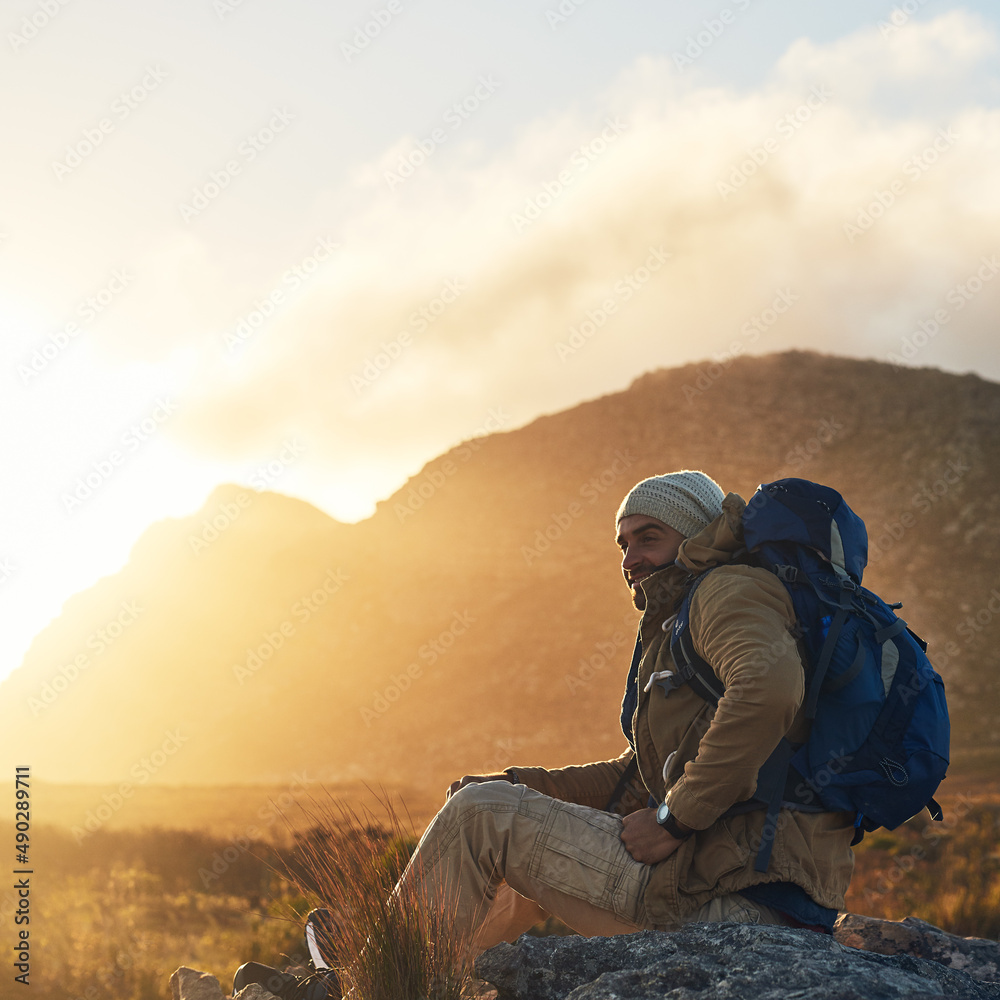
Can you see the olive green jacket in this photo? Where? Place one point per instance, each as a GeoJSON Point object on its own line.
{"type": "Point", "coordinates": [701, 759]}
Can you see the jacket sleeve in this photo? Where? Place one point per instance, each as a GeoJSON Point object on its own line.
{"type": "Point", "coordinates": [586, 784]}
{"type": "Point", "coordinates": [741, 620]}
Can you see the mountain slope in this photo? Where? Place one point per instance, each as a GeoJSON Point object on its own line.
{"type": "Point", "coordinates": [479, 619]}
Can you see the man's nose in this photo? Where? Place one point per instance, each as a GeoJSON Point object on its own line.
{"type": "Point", "coordinates": [630, 560]}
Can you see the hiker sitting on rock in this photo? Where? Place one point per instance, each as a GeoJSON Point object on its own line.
{"type": "Point", "coordinates": [533, 841]}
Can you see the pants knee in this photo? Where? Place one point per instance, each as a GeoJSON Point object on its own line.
{"type": "Point", "coordinates": [481, 795]}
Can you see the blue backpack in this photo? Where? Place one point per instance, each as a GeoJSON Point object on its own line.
{"type": "Point", "coordinates": [878, 743]}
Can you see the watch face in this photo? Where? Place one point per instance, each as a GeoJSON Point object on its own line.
{"type": "Point", "coordinates": [662, 812]}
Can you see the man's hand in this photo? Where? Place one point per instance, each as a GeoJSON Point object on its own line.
{"type": "Point", "coordinates": [474, 779]}
{"type": "Point", "coordinates": [645, 839]}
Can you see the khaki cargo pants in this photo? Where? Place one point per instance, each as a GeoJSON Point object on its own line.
{"type": "Point", "coordinates": [501, 857]}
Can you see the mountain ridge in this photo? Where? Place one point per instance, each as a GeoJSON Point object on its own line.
{"type": "Point", "coordinates": [478, 616]}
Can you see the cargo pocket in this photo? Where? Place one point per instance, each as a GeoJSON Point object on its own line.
{"type": "Point", "coordinates": [742, 912]}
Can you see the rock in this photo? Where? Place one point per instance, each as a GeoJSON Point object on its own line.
{"type": "Point", "coordinates": [190, 984]}
{"type": "Point", "coordinates": [979, 957]}
{"type": "Point", "coordinates": [254, 992]}
{"type": "Point", "coordinates": [716, 962]}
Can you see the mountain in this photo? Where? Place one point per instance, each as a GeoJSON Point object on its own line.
{"type": "Point", "coordinates": [478, 619]}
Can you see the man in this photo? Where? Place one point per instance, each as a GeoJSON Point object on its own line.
{"type": "Point", "coordinates": [507, 849]}
{"type": "Point", "coordinates": [510, 848]}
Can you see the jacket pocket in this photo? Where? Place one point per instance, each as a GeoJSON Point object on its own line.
{"type": "Point", "coordinates": [716, 854]}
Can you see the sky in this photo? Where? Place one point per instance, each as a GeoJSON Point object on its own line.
{"type": "Point", "coordinates": [308, 247]}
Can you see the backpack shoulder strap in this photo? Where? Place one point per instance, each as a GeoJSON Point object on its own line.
{"type": "Point", "coordinates": [616, 796]}
{"type": "Point", "coordinates": [691, 668]}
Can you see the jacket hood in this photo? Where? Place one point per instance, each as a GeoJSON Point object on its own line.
{"type": "Point", "coordinates": [718, 542]}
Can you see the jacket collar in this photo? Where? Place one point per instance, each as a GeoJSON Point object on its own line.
{"type": "Point", "coordinates": [714, 545]}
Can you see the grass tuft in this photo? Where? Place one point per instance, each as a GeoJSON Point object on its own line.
{"type": "Point", "coordinates": [391, 943]}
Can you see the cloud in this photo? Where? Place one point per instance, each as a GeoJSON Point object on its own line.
{"type": "Point", "coordinates": [847, 200]}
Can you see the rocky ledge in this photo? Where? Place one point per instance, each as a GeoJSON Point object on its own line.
{"type": "Point", "coordinates": [745, 962]}
{"type": "Point", "coordinates": [866, 959]}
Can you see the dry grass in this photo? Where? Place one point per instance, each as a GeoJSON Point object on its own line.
{"type": "Point", "coordinates": [113, 916]}
{"type": "Point", "coordinates": [945, 873]}
{"type": "Point", "coordinates": [391, 942]}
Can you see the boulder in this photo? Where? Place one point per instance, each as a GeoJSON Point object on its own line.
{"type": "Point", "coordinates": [979, 957]}
{"type": "Point", "coordinates": [716, 962]}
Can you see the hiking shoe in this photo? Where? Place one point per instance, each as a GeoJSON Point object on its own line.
{"type": "Point", "coordinates": [316, 986]}
{"type": "Point", "coordinates": [321, 938]}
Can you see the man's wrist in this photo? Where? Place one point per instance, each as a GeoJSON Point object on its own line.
{"type": "Point", "coordinates": [671, 824]}
{"type": "Point", "coordinates": [676, 828]}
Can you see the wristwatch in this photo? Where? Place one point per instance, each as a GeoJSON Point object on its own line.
{"type": "Point", "coordinates": [668, 821]}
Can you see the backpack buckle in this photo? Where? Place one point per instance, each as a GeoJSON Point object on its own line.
{"type": "Point", "coordinates": [787, 574]}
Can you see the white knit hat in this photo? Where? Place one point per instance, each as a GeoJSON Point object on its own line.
{"type": "Point", "coordinates": [686, 501]}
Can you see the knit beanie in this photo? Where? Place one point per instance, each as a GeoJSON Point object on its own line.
{"type": "Point", "coordinates": [686, 501]}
